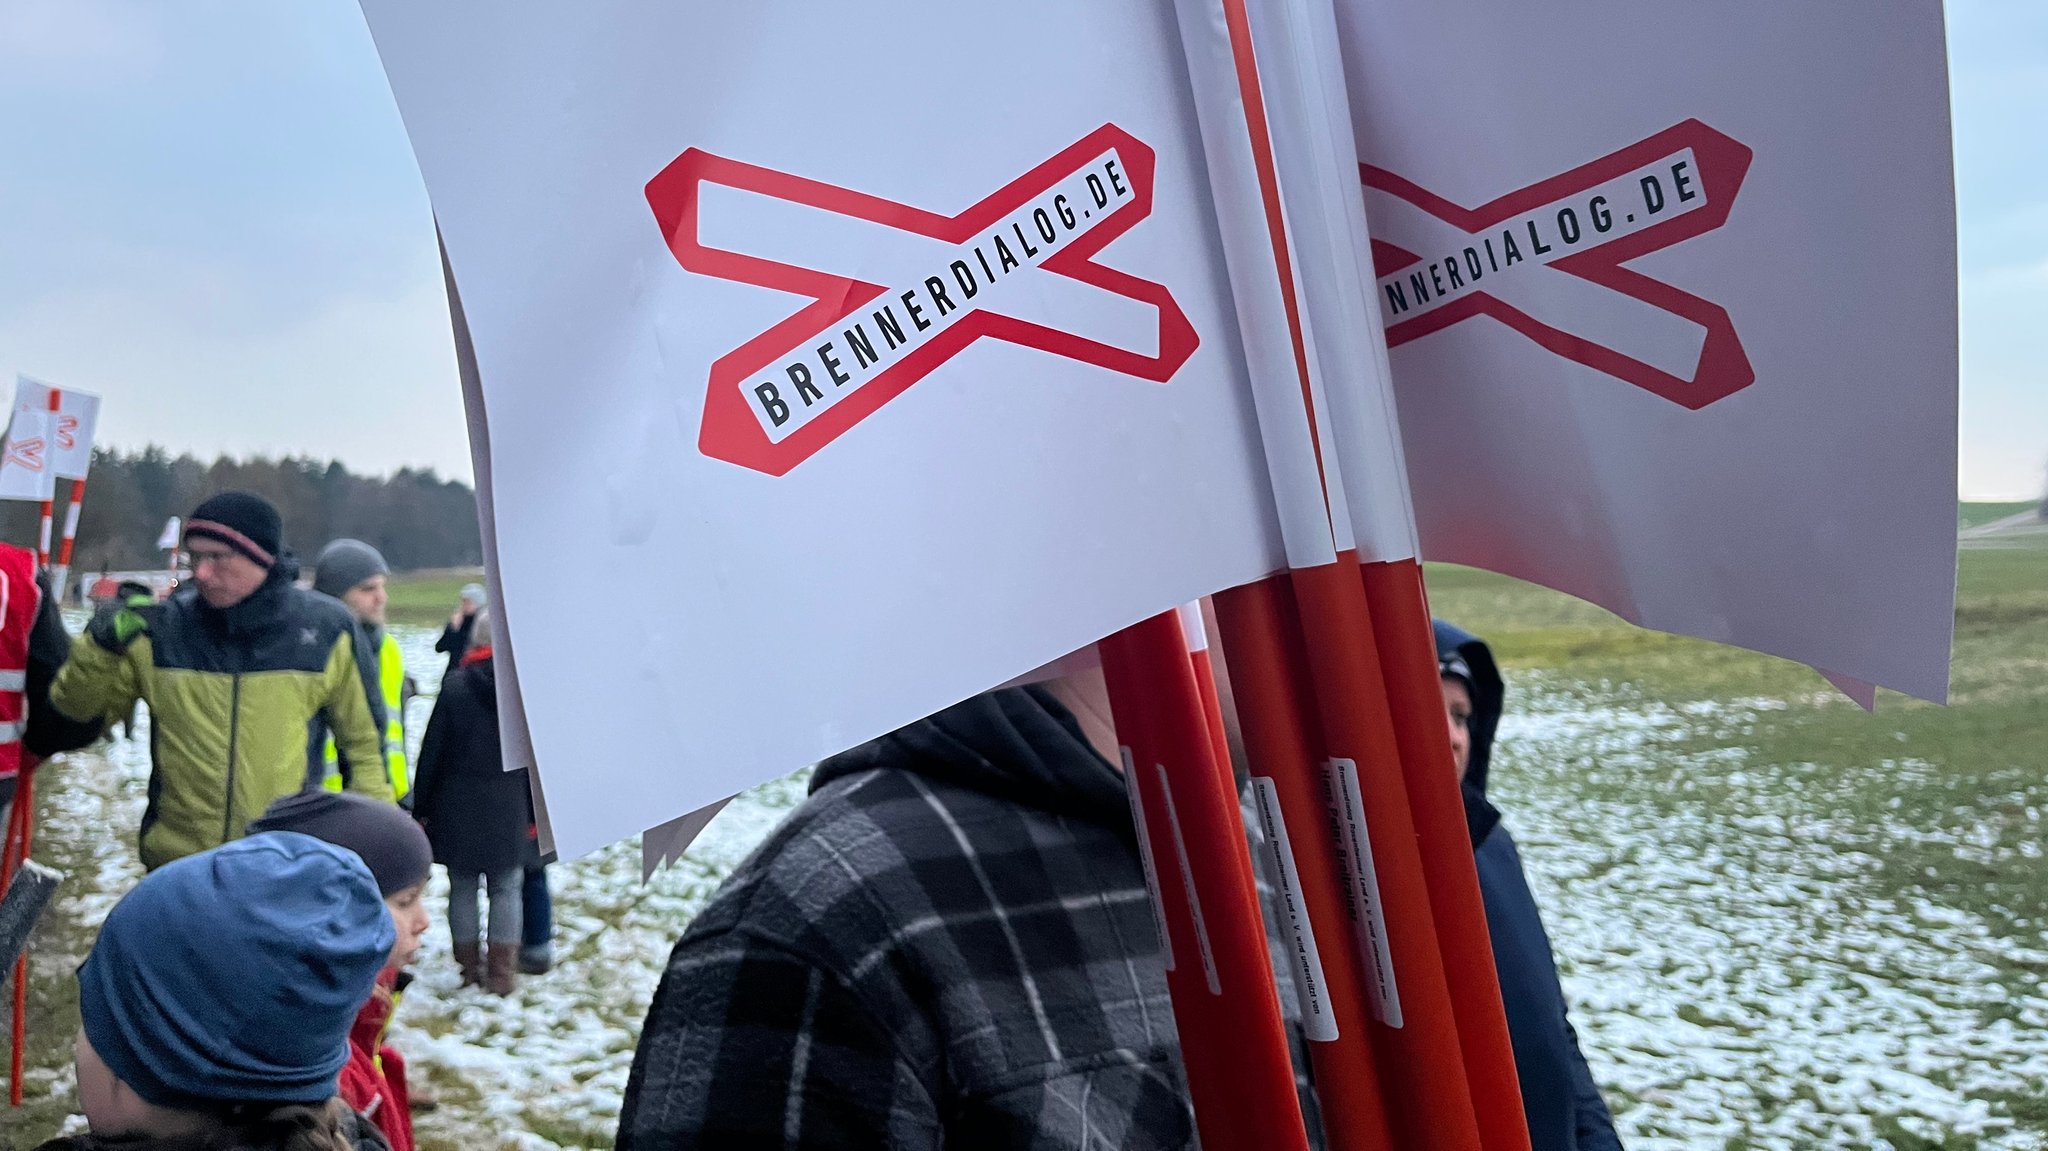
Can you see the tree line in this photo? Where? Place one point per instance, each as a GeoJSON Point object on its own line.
{"type": "Point", "coordinates": [416, 518]}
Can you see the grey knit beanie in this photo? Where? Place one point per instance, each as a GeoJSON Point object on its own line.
{"type": "Point", "coordinates": [345, 563]}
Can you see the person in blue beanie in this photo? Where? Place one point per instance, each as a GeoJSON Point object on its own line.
{"type": "Point", "coordinates": [1560, 1099]}
{"type": "Point", "coordinates": [217, 1001]}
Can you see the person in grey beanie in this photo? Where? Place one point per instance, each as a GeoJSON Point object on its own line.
{"type": "Point", "coordinates": [354, 573]}
{"type": "Point", "coordinates": [216, 1003]}
{"type": "Point", "coordinates": [454, 641]}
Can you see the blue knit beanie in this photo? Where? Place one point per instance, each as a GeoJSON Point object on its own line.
{"type": "Point", "coordinates": [233, 976]}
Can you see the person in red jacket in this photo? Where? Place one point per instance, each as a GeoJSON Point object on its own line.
{"type": "Point", "coordinates": [397, 853]}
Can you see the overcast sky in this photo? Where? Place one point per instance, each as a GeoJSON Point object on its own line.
{"type": "Point", "coordinates": [209, 214]}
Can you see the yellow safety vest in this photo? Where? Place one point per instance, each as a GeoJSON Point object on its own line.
{"type": "Point", "coordinates": [391, 678]}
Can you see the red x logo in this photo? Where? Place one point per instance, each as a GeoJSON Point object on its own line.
{"type": "Point", "coordinates": [26, 453]}
{"type": "Point", "coordinates": [896, 291]}
{"type": "Point", "coordinates": [1546, 261]}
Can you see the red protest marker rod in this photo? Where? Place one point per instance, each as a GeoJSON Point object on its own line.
{"type": "Point", "coordinates": [49, 501]}
{"type": "Point", "coordinates": [20, 839]}
{"type": "Point", "coordinates": [1220, 974]}
{"type": "Point", "coordinates": [1276, 711]}
{"type": "Point", "coordinates": [1416, 1033]}
{"type": "Point", "coordinates": [1407, 651]}
{"type": "Point", "coordinates": [61, 573]}
{"type": "Point", "coordinates": [1201, 662]}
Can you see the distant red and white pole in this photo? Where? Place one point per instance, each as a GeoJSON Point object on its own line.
{"type": "Point", "coordinates": [49, 501]}
{"type": "Point", "coordinates": [61, 573]}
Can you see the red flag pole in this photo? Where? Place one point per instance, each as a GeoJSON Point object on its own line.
{"type": "Point", "coordinates": [49, 501]}
{"type": "Point", "coordinates": [1219, 972]}
{"type": "Point", "coordinates": [1276, 711]}
{"type": "Point", "coordinates": [1406, 644]}
{"type": "Point", "coordinates": [1415, 1035]}
{"type": "Point", "coordinates": [20, 839]}
{"type": "Point", "coordinates": [61, 573]}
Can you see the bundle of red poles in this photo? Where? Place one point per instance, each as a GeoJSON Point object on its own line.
{"type": "Point", "coordinates": [1334, 677]}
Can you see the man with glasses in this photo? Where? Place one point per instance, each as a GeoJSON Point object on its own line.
{"type": "Point", "coordinates": [234, 667]}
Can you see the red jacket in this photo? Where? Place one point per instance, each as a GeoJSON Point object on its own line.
{"type": "Point", "coordinates": [373, 1082]}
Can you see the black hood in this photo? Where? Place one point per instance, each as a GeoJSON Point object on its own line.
{"type": "Point", "coordinates": [1018, 744]}
{"type": "Point", "coordinates": [1488, 694]}
{"type": "Point", "coordinates": [480, 678]}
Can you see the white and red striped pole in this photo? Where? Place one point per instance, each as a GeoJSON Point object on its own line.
{"type": "Point", "coordinates": [60, 574]}
{"type": "Point", "coordinates": [1327, 701]}
{"type": "Point", "coordinates": [1218, 970]}
{"type": "Point", "coordinates": [49, 501]}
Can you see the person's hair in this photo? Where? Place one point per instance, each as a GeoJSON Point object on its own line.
{"type": "Point", "coordinates": [284, 1127]}
{"type": "Point", "coordinates": [480, 630]}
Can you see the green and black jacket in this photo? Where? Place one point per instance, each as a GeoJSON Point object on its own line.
{"type": "Point", "coordinates": [230, 693]}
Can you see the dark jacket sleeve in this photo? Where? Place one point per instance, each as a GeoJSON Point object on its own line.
{"type": "Point", "coordinates": [1559, 1096]}
{"type": "Point", "coordinates": [748, 1044]}
{"type": "Point", "coordinates": [50, 731]}
{"type": "Point", "coordinates": [1596, 1126]}
{"type": "Point", "coordinates": [454, 640]}
{"type": "Point", "coordinates": [431, 770]}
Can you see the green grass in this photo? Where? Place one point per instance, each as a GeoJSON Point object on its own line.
{"type": "Point", "coordinates": [1966, 774]}
{"type": "Point", "coordinates": [1970, 515]}
{"type": "Point", "coordinates": [425, 598]}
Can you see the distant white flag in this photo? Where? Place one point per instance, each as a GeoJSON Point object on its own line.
{"type": "Point", "coordinates": [26, 471]}
{"type": "Point", "coordinates": [71, 432]}
{"type": "Point", "coordinates": [174, 530]}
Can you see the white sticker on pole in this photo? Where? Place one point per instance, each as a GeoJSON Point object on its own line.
{"type": "Point", "coordinates": [1318, 1022]}
{"type": "Point", "coordinates": [1187, 878]}
{"type": "Point", "coordinates": [1192, 629]}
{"type": "Point", "coordinates": [1145, 856]}
{"type": "Point", "coordinates": [1362, 884]}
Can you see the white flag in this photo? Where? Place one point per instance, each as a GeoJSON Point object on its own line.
{"type": "Point", "coordinates": [26, 468]}
{"type": "Point", "coordinates": [895, 392]}
{"type": "Point", "coordinates": [77, 417]}
{"type": "Point", "coordinates": [1671, 295]}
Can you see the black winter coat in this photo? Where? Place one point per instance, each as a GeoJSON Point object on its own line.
{"type": "Point", "coordinates": [478, 816]}
{"type": "Point", "coordinates": [454, 641]}
{"type": "Point", "coordinates": [1559, 1097]}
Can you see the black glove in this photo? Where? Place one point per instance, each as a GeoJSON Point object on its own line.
{"type": "Point", "coordinates": [115, 625]}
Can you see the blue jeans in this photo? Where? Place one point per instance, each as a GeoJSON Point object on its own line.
{"type": "Point", "coordinates": [538, 924]}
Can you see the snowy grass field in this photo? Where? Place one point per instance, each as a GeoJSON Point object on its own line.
{"type": "Point", "coordinates": [1784, 924]}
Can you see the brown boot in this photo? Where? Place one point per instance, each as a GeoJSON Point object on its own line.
{"type": "Point", "coordinates": [501, 966]}
{"type": "Point", "coordinates": [471, 957]}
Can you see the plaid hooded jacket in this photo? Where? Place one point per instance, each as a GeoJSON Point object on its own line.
{"type": "Point", "coordinates": [948, 945]}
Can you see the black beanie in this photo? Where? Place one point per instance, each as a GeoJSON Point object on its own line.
{"type": "Point", "coordinates": [247, 523]}
{"type": "Point", "coordinates": [387, 839]}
